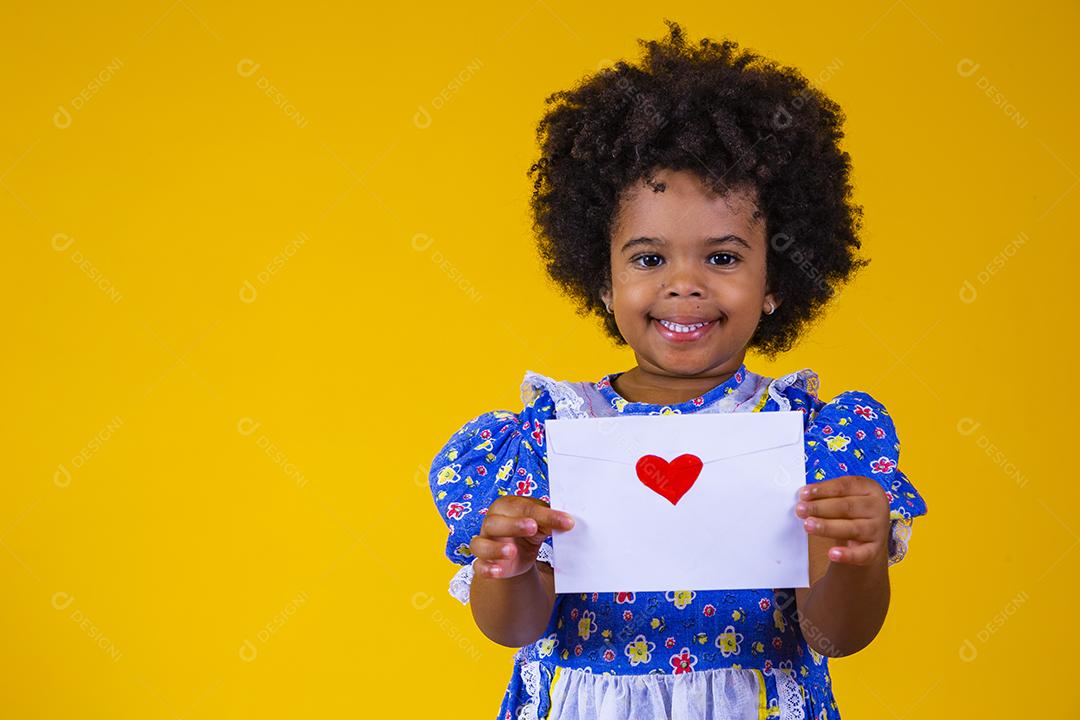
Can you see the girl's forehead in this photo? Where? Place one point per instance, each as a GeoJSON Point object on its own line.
{"type": "Point", "coordinates": [679, 201]}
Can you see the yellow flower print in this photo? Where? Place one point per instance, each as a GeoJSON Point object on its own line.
{"type": "Point", "coordinates": [728, 641]}
{"type": "Point", "coordinates": [587, 624]}
{"type": "Point", "coordinates": [606, 634]}
{"type": "Point", "coordinates": [619, 404]}
{"type": "Point", "coordinates": [778, 620]}
{"type": "Point", "coordinates": [504, 471]}
{"type": "Point", "coordinates": [452, 455]}
{"type": "Point", "coordinates": [546, 646]}
{"type": "Point", "coordinates": [657, 624]}
{"type": "Point", "coordinates": [639, 650]}
{"type": "Point", "coordinates": [838, 443]}
{"type": "Point", "coordinates": [702, 638]}
{"type": "Point", "coordinates": [441, 494]}
{"type": "Point", "coordinates": [774, 709]}
{"type": "Point", "coordinates": [681, 598]}
{"type": "Point", "coordinates": [486, 445]}
{"type": "Point", "coordinates": [738, 614]}
{"type": "Point", "coordinates": [858, 453]}
{"type": "Point", "coordinates": [463, 550]}
{"type": "Point", "coordinates": [448, 474]}
{"type": "Point", "coordinates": [757, 648]}
{"type": "Point", "coordinates": [816, 655]}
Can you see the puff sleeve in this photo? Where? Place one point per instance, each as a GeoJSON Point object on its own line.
{"type": "Point", "coordinates": [494, 454]}
{"type": "Point", "coordinates": [853, 434]}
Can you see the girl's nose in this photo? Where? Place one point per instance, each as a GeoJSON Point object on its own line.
{"type": "Point", "coordinates": [683, 281]}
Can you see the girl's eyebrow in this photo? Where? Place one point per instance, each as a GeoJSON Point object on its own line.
{"type": "Point", "coordinates": [635, 242]}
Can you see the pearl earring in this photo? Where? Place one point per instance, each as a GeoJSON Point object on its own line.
{"type": "Point", "coordinates": [771, 308]}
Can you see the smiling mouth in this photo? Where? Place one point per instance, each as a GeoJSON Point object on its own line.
{"type": "Point", "coordinates": [685, 331]}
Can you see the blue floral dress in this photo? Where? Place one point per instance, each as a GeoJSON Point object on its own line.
{"type": "Point", "coordinates": [684, 653]}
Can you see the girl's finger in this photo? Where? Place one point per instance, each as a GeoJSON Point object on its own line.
{"type": "Point", "coordinates": [549, 520]}
{"type": "Point", "coordinates": [837, 487]}
{"type": "Point", "coordinates": [488, 569]}
{"type": "Point", "coordinates": [492, 550]}
{"type": "Point", "coordinates": [847, 506]}
{"type": "Point", "coordinates": [842, 529]}
{"type": "Point", "coordinates": [508, 526]}
{"type": "Point", "coordinates": [860, 554]}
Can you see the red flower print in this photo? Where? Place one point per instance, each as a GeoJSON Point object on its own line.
{"type": "Point", "coordinates": [882, 465]}
{"type": "Point", "coordinates": [609, 654]}
{"type": "Point", "coordinates": [481, 470]}
{"type": "Point", "coordinates": [624, 597]}
{"type": "Point", "coordinates": [843, 466]}
{"type": "Point", "coordinates": [709, 610]}
{"type": "Point", "coordinates": [683, 662]}
{"type": "Point", "coordinates": [546, 499]}
{"type": "Point", "coordinates": [627, 615]}
{"type": "Point", "coordinates": [698, 400]}
{"type": "Point", "coordinates": [827, 430]}
{"type": "Point", "coordinates": [467, 496]}
{"type": "Point", "coordinates": [859, 434]}
{"type": "Point", "coordinates": [879, 433]}
{"type": "Point", "coordinates": [574, 614]}
{"type": "Point", "coordinates": [866, 412]}
{"type": "Point", "coordinates": [521, 471]}
{"type": "Point", "coordinates": [669, 643]}
{"type": "Point", "coordinates": [577, 649]}
{"type": "Point", "coordinates": [538, 434]}
{"type": "Point", "coordinates": [889, 496]}
{"type": "Point", "coordinates": [525, 487]}
{"type": "Point", "coordinates": [764, 604]}
{"type": "Point", "coordinates": [777, 643]}
{"type": "Point", "coordinates": [595, 596]}
{"type": "Point", "coordinates": [457, 510]}
{"type": "Point", "coordinates": [527, 425]}
{"type": "Point", "coordinates": [768, 665]}
{"type": "Point", "coordinates": [485, 433]}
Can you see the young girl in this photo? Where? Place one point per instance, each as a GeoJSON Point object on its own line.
{"type": "Point", "coordinates": [697, 203]}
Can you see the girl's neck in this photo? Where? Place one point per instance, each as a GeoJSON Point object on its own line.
{"type": "Point", "coordinates": [637, 385]}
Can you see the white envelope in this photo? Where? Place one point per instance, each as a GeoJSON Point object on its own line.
{"type": "Point", "coordinates": [735, 526]}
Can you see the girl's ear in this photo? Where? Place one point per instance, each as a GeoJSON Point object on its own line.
{"type": "Point", "coordinates": [605, 295]}
{"type": "Point", "coordinates": [772, 301]}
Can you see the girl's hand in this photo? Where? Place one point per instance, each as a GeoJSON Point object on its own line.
{"type": "Point", "coordinates": [851, 508]}
{"type": "Point", "coordinates": [513, 530]}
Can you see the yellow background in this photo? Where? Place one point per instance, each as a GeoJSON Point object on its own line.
{"type": "Point", "coordinates": [273, 257]}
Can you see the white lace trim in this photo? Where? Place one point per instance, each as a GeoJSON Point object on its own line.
{"type": "Point", "coordinates": [792, 702]}
{"type": "Point", "coordinates": [900, 533]}
{"type": "Point", "coordinates": [805, 379]}
{"type": "Point", "coordinates": [461, 583]}
{"type": "Point", "coordinates": [530, 676]}
{"type": "Point", "coordinates": [714, 694]}
{"type": "Point", "coordinates": [568, 404]}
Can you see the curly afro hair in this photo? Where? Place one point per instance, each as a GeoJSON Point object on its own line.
{"type": "Point", "coordinates": [738, 121]}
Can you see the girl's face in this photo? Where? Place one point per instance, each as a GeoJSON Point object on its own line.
{"type": "Point", "coordinates": [687, 256]}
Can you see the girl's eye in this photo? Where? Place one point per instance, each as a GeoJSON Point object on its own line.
{"type": "Point", "coordinates": [733, 258]}
{"type": "Point", "coordinates": [639, 258]}
{"type": "Point", "coordinates": [650, 260]}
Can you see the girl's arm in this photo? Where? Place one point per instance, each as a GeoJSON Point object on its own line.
{"type": "Point", "coordinates": [848, 598]}
{"type": "Point", "coordinates": [514, 611]}
{"type": "Point", "coordinates": [511, 594]}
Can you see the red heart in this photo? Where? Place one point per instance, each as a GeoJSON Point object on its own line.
{"type": "Point", "coordinates": [670, 479]}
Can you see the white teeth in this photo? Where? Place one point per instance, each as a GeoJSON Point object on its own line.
{"type": "Point", "coordinates": [681, 328]}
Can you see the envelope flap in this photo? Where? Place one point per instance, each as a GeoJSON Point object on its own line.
{"type": "Point", "coordinates": [712, 436]}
